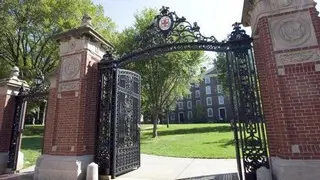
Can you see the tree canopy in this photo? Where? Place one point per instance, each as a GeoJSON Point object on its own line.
{"type": "Point", "coordinates": [164, 77]}
{"type": "Point", "coordinates": [27, 28]}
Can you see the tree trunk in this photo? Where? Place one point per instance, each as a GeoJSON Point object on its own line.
{"type": "Point", "coordinates": [155, 123]}
{"type": "Point", "coordinates": [167, 122]}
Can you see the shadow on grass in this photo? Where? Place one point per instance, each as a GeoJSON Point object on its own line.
{"type": "Point", "coordinates": [220, 129]}
{"type": "Point", "coordinates": [224, 142]}
{"type": "Point", "coordinates": [32, 143]}
{"type": "Point", "coordinates": [30, 130]}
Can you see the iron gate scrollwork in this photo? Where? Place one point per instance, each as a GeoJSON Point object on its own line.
{"type": "Point", "coordinates": [118, 146]}
{"type": "Point", "coordinates": [36, 93]}
{"type": "Point", "coordinates": [249, 124]}
{"type": "Point", "coordinates": [118, 136]}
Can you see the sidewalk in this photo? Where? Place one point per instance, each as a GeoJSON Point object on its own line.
{"type": "Point", "coordinates": [166, 168]}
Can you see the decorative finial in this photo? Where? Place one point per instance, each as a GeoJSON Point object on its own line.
{"type": "Point", "coordinates": [14, 72]}
{"type": "Point", "coordinates": [86, 21]}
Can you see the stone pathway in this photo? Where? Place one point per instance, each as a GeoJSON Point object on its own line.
{"type": "Point", "coordinates": [166, 168]}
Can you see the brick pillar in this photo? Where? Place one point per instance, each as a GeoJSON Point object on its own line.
{"type": "Point", "coordinates": [9, 88]}
{"type": "Point", "coordinates": [286, 42]}
{"type": "Point", "coordinates": [70, 128]}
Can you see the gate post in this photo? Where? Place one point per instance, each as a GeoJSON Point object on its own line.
{"type": "Point", "coordinates": [70, 127]}
{"type": "Point", "coordinates": [9, 89]}
{"type": "Point", "coordinates": [286, 42]}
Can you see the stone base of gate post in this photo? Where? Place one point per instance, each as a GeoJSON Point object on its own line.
{"type": "Point", "coordinates": [62, 167]}
{"type": "Point", "coordinates": [3, 162]}
{"type": "Point", "coordinates": [283, 169]}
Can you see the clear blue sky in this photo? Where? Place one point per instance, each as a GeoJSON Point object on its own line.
{"type": "Point", "coordinates": [215, 17]}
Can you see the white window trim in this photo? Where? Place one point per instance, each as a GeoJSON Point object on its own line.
{"type": "Point", "coordinates": [207, 80]}
{"type": "Point", "coordinates": [225, 113]}
{"type": "Point", "coordinates": [197, 94]}
{"type": "Point", "coordinates": [208, 90]}
{"type": "Point", "coordinates": [209, 115]}
{"type": "Point", "coordinates": [190, 115]}
{"type": "Point", "coordinates": [180, 103]}
{"type": "Point", "coordinates": [220, 103]}
{"type": "Point", "coordinates": [209, 104]}
{"type": "Point", "coordinates": [189, 104]}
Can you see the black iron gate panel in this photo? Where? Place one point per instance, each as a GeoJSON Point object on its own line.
{"type": "Point", "coordinates": [39, 93]}
{"type": "Point", "coordinates": [126, 154]}
{"type": "Point", "coordinates": [249, 124]}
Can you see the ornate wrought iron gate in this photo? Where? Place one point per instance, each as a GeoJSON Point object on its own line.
{"type": "Point", "coordinates": [118, 136]}
{"type": "Point", "coordinates": [118, 148]}
{"type": "Point", "coordinates": [37, 93]}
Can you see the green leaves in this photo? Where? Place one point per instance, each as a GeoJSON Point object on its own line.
{"type": "Point", "coordinates": [28, 26]}
{"type": "Point", "coordinates": [164, 77]}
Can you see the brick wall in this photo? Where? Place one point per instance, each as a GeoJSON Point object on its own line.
{"type": "Point", "coordinates": [71, 118]}
{"type": "Point", "coordinates": [291, 101]}
{"type": "Point", "coordinates": [7, 104]}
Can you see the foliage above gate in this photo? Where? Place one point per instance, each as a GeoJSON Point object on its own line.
{"type": "Point", "coordinates": [167, 33]}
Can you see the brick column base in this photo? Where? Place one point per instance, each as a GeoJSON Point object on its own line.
{"type": "Point", "coordinates": [62, 167]}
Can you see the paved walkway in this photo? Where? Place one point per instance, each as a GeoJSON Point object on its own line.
{"type": "Point", "coordinates": [168, 168]}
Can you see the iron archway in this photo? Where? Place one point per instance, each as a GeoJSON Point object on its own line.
{"type": "Point", "coordinates": [169, 33]}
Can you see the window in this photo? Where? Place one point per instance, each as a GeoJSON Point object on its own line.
{"type": "Point", "coordinates": [207, 80]}
{"type": "Point", "coordinates": [208, 90]}
{"type": "Point", "coordinates": [222, 114]}
{"type": "Point", "coordinates": [198, 102]}
{"type": "Point", "coordinates": [189, 104]}
{"type": "Point", "coordinates": [197, 93]}
{"type": "Point", "coordinates": [221, 100]}
{"type": "Point", "coordinates": [189, 96]}
{"type": "Point", "coordinates": [219, 87]}
{"type": "Point", "coordinates": [180, 105]}
{"type": "Point", "coordinates": [190, 116]}
{"type": "Point", "coordinates": [172, 116]}
{"type": "Point", "coordinates": [210, 112]}
{"type": "Point", "coordinates": [209, 101]}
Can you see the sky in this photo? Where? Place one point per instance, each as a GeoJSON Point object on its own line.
{"type": "Point", "coordinates": [215, 17]}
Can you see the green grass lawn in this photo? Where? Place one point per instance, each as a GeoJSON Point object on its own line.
{"type": "Point", "coordinates": [31, 145]}
{"type": "Point", "coordinates": [183, 140]}
{"type": "Point", "coordinates": [189, 140]}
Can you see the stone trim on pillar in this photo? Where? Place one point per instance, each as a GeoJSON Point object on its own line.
{"type": "Point", "coordinates": [69, 137]}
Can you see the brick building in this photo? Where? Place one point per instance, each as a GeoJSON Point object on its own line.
{"type": "Point", "coordinates": [207, 102]}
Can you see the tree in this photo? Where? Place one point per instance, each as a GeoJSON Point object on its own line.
{"type": "Point", "coordinates": [221, 65]}
{"type": "Point", "coordinates": [27, 28]}
{"type": "Point", "coordinates": [164, 77]}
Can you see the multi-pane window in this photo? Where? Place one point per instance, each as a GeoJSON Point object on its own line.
{"type": "Point", "coordinates": [172, 116]}
{"type": "Point", "coordinates": [190, 116]}
{"type": "Point", "coordinates": [197, 93]}
{"type": "Point", "coordinates": [189, 104]}
{"type": "Point", "coordinates": [210, 112]}
{"type": "Point", "coordinates": [219, 88]}
{"type": "Point", "coordinates": [198, 102]}
{"type": "Point", "coordinates": [208, 90]}
{"type": "Point", "coordinates": [180, 105]}
{"type": "Point", "coordinates": [207, 80]}
{"type": "Point", "coordinates": [209, 101]}
{"type": "Point", "coordinates": [221, 100]}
